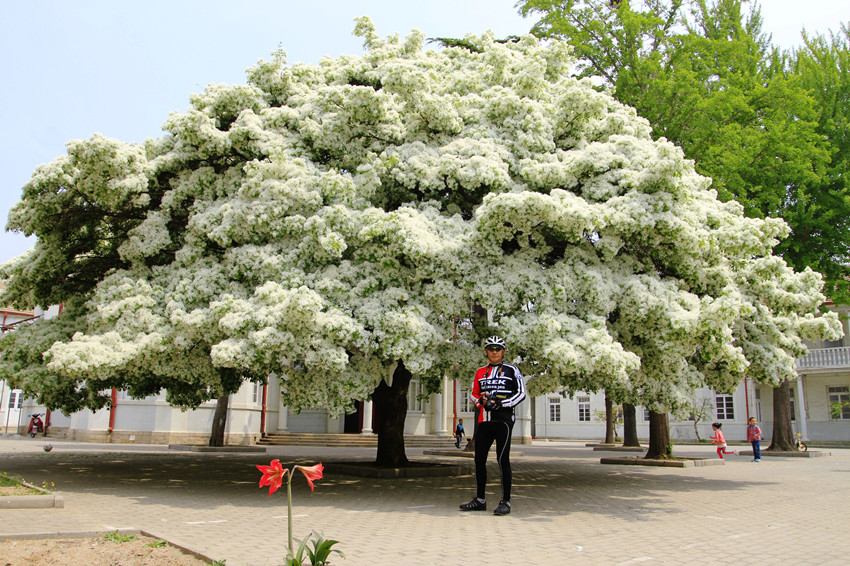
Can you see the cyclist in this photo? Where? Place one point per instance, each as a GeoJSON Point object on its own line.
{"type": "Point", "coordinates": [496, 389]}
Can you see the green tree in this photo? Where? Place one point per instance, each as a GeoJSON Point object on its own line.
{"type": "Point", "coordinates": [707, 78]}
{"type": "Point", "coordinates": [613, 418]}
{"type": "Point", "coordinates": [823, 65]}
{"type": "Point", "coordinates": [701, 409]}
{"type": "Point", "coordinates": [341, 224]}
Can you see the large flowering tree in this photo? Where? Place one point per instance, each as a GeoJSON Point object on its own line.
{"type": "Point", "coordinates": [356, 223]}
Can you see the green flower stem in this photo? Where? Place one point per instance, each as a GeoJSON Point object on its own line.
{"type": "Point", "coordinates": [289, 512]}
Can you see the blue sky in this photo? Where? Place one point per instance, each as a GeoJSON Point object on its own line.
{"type": "Point", "coordinates": [72, 69]}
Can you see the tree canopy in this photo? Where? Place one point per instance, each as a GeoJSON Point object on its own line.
{"type": "Point", "coordinates": [823, 65]}
{"type": "Point", "coordinates": [338, 220]}
{"type": "Point", "coordinates": [708, 79]}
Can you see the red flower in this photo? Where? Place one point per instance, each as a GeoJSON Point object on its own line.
{"type": "Point", "coordinates": [312, 473]}
{"type": "Point", "coordinates": [273, 476]}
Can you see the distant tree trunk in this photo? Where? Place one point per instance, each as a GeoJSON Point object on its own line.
{"type": "Point", "coordinates": [659, 437]}
{"type": "Point", "coordinates": [470, 446]}
{"type": "Point", "coordinates": [609, 420]}
{"type": "Point", "coordinates": [219, 421]}
{"type": "Point", "coordinates": [782, 439]}
{"type": "Point", "coordinates": [391, 409]}
{"type": "Point", "coordinates": [630, 437]}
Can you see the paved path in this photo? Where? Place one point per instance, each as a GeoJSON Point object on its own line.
{"type": "Point", "coordinates": [568, 508]}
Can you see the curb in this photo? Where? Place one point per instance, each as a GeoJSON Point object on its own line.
{"type": "Point", "coordinates": [807, 454]}
{"type": "Point", "coordinates": [461, 453]}
{"type": "Point", "coordinates": [70, 534]}
{"type": "Point", "coordinates": [414, 470]}
{"type": "Point", "coordinates": [32, 502]}
{"type": "Point", "coordinates": [685, 463]}
{"type": "Point", "coordinates": [45, 501]}
{"type": "Point", "coordinates": [194, 448]}
{"type": "Point", "coordinates": [450, 453]}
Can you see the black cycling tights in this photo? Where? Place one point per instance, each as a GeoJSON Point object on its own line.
{"type": "Point", "coordinates": [486, 433]}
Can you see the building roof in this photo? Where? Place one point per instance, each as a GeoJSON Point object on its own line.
{"type": "Point", "coordinates": [9, 311]}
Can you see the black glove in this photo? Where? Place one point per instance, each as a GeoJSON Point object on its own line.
{"type": "Point", "coordinates": [490, 402]}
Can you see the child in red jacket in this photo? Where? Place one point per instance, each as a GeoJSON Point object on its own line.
{"type": "Point", "coordinates": [720, 441]}
{"type": "Point", "coordinates": [754, 438]}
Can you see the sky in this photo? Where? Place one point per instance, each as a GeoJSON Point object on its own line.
{"type": "Point", "coordinates": [73, 69]}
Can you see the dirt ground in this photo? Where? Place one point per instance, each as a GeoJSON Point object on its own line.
{"type": "Point", "coordinates": [94, 551]}
{"type": "Point", "coordinates": [16, 490]}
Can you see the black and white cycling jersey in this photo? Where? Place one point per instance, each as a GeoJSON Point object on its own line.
{"type": "Point", "coordinates": [504, 381]}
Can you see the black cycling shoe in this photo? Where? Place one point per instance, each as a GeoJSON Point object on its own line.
{"type": "Point", "coordinates": [474, 505]}
{"type": "Point", "coordinates": [504, 508]}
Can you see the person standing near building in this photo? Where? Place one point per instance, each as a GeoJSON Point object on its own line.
{"type": "Point", "coordinates": [458, 433]}
{"type": "Point", "coordinates": [496, 389]}
{"type": "Point", "coordinates": [754, 438]}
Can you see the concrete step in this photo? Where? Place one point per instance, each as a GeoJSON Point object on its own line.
{"type": "Point", "coordinates": [353, 440]}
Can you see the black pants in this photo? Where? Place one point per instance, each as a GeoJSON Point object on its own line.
{"type": "Point", "coordinates": [485, 434]}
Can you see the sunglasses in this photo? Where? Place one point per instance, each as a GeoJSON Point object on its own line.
{"type": "Point", "coordinates": [493, 348]}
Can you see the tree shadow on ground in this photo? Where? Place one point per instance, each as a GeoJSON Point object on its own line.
{"type": "Point", "coordinates": [543, 488]}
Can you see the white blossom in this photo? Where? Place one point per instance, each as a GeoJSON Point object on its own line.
{"type": "Point", "coordinates": [326, 221]}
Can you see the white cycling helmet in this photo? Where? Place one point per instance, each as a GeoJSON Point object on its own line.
{"type": "Point", "coordinates": [495, 341]}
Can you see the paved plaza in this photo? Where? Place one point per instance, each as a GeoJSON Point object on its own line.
{"type": "Point", "coordinates": [567, 507]}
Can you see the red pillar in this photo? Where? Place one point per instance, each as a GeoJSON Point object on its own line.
{"type": "Point", "coordinates": [112, 409]}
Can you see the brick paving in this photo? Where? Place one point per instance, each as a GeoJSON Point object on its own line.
{"type": "Point", "coordinates": [567, 507]}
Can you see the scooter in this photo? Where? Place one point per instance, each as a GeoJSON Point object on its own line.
{"type": "Point", "coordinates": [36, 425]}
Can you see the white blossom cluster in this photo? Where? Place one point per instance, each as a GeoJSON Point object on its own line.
{"type": "Point", "coordinates": [326, 221]}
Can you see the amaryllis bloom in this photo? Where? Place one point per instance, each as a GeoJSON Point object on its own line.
{"type": "Point", "coordinates": [273, 476]}
{"type": "Point", "coordinates": [312, 473]}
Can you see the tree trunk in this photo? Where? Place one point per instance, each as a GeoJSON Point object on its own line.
{"type": "Point", "coordinates": [219, 421]}
{"type": "Point", "coordinates": [470, 446]}
{"type": "Point", "coordinates": [630, 436]}
{"type": "Point", "coordinates": [659, 437]}
{"type": "Point", "coordinates": [609, 420]}
{"type": "Point", "coordinates": [391, 404]}
{"type": "Point", "coordinates": [782, 439]}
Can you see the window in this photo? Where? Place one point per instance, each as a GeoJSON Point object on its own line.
{"type": "Point", "coordinates": [645, 415]}
{"type": "Point", "coordinates": [839, 403]}
{"type": "Point", "coordinates": [583, 409]}
{"type": "Point", "coordinates": [414, 397]}
{"type": "Point", "coordinates": [758, 404]}
{"type": "Point", "coordinates": [725, 407]}
{"type": "Point", "coordinates": [465, 401]}
{"type": "Point", "coordinates": [554, 409]}
{"type": "Point", "coordinates": [256, 393]}
{"type": "Point", "coordinates": [15, 399]}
